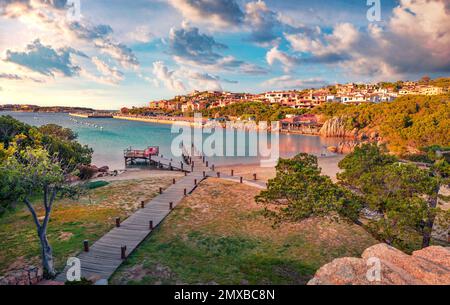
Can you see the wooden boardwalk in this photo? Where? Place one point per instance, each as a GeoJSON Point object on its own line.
{"type": "Point", "coordinates": [105, 255]}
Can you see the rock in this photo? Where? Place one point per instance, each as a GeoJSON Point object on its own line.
{"type": "Point", "coordinates": [347, 147]}
{"type": "Point", "coordinates": [103, 169]}
{"type": "Point", "coordinates": [438, 255]}
{"type": "Point", "coordinates": [334, 127]}
{"type": "Point", "coordinates": [430, 266]}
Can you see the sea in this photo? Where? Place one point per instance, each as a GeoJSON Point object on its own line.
{"type": "Point", "coordinates": [109, 138]}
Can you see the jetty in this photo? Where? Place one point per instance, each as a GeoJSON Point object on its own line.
{"type": "Point", "coordinates": [92, 115]}
{"type": "Point", "coordinates": [105, 256]}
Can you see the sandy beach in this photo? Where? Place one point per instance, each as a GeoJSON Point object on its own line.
{"type": "Point", "coordinates": [329, 166]}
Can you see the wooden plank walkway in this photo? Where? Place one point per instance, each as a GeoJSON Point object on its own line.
{"type": "Point", "coordinates": [104, 256]}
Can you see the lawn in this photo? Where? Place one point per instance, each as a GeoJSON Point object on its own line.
{"type": "Point", "coordinates": [71, 222]}
{"type": "Point", "coordinates": [218, 235]}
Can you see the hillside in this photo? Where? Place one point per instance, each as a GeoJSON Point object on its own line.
{"type": "Point", "coordinates": [410, 123]}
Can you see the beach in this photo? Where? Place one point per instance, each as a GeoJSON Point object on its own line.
{"type": "Point", "coordinates": [329, 166]}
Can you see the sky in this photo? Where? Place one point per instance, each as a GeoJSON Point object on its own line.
{"type": "Point", "coordinates": [107, 54]}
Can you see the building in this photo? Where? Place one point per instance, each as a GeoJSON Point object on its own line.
{"type": "Point", "coordinates": [431, 90]}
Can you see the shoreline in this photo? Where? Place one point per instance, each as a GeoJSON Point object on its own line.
{"type": "Point", "coordinates": [328, 165]}
{"type": "Point", "coordinates": [189, 123]}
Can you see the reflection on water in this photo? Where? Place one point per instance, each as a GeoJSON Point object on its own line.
{"type": "Point", "coordinates": [109, 137]}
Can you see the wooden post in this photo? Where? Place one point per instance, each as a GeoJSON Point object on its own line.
{"type": "Point", "coordinates": [181, 163]}
{"type": "Point", "coordinates": [212, 167]}
{"type": "Point", "coordinates": [232, 172]}
{"type": "Point", "coordinates": [160, 190]}
{"type": "Point", "coordinates": [241, 180]}
{"type": "Point", "coordinates": [171, 205]}
{"type": "Point", "coordinates": [173, 181]}
{"type": "Point", "coordinates": [123, 252]}
{"type": "Point", "coordinates": [195, 181]}
{"type": "Point", "coordinates": [117, 222]}
{"type": "Point", "coordinates": [142, 204]}
{"type": "Point", "coordinates": [207, 163]}
{"type": "Point", "coordinates": [204, 174]}
{"type": "Point", "coordinates": [150, 225]}
{"type": "Point", "coordinates": [218, 174]}
{"type": "Point", "coordinates": [254, 176]}
{"type": "Point", "coordinates": [185, 192]}
{"type": "Point", "coordinates": [86, 245]}
{"type": "Point", "coordinates": [192, 167]}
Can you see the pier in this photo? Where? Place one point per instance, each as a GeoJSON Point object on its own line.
{"type": "Point", "coordinates": [106, 255]}
{"type": "Point", "coordinates": [92, 115]}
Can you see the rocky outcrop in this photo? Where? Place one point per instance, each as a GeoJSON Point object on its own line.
{"type": "Point", "coordinates": [385, 265]}
{"type": "Point", "coordinates": [336, 127]}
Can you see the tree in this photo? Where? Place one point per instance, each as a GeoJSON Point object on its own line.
{"type": "Point", "coordinates": [299, 191]}
{"type": "Point", "coordinates": [33, 172]}
{"type": "Point", "coordinates": [404, 196]}
{"type": "Point", "coordinates": [56, 139]}
{"type": "Point", "coordinates": [65, 134]}
{"type": "Point", "coordinates": [34, 162]}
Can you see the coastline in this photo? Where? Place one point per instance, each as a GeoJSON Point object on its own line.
{"type": "Point", "coordinates": [329, 166]}
{"type": "Point", "coordinates": [187, 122]}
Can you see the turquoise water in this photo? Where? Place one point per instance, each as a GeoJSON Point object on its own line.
{"type": "Point", "coordinates": [109, 137]}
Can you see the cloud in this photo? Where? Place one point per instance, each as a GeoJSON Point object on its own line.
{"type": "Point", "coordinates": [141, 34]}
{"type": "Point", "coordinates": [414, 40]}
{"type": "Point", "coordinates": [190, 47]}
{"type": "Point", "coordinates": [46, 60]}
{"type": "Point", "coordinates": [162, 73]}
{"type": "Point", "coordinates": [110, 75]}
{"type": "Point", "coordinates": [16, 77]}
{"type": "Point", "coordinates": [91, 32]}
{"type": "Point", "coordinates": [217, 13]}
{"type": "Point", "coordinates": [344, 37]}
{"type": "Point", "coordinates": [285, 59]}
{"type": "Point", "coordinates": [203, 81]}
{"type": "Point", "coordinates": [120, 52]}
{"type": "Point", "coordinates": [10, 76]}
{"type": "Point", "coordinates": [51, 16]}
{"type": "Point", "coordinates": [185, 79]}
{"type": "Point", "coordinates": [289, 82]}
{"type": "Point", "coordinates": [188, 43]}
{"type": "Point", "coordinates": [262, 22]}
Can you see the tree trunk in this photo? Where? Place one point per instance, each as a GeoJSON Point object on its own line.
{"type": "Point", "coordinates": [47, 255]}
{"type": "Point", "coordinates": [432, 203]}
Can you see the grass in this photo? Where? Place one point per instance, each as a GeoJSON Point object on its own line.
{"type": "Point", "coordinates": [71, 222]}
{"type": "Point", "coordinates": [218, 235]}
